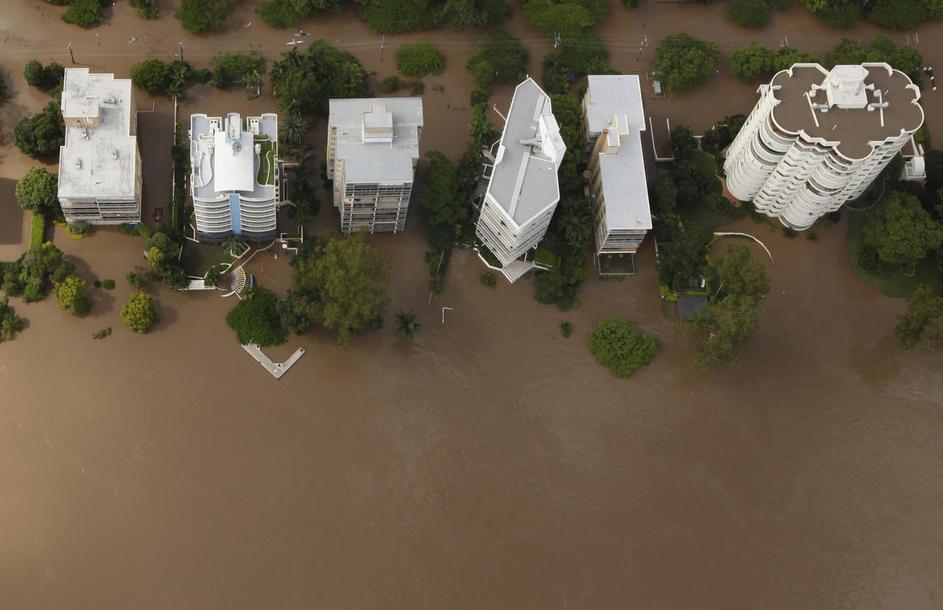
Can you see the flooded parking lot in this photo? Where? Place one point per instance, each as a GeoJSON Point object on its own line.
{"type": "Point", "coordinates": [490, 464]}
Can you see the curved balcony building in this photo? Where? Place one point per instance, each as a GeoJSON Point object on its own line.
{"type": "Point", "coordinates": [817, 139]}
{"type": "Point", "coordinates": [234, 181]}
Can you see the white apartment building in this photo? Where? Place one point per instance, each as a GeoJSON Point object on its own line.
{"type": "Point", "coordinates": [99, 164]}
{"type": "Point", "coordinates": [234, 177]}
{"type": "Point", "coordinates": [523, 190]}
{"type": "Point", "coordinates": [613, 122]}
{"type": "Point", "coordinates": [372, 152]}
{"type": "Point", "coordinates": [817, 138]}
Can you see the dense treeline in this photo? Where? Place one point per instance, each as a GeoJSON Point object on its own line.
{"type": "Point", "coordinates": [393, 15]}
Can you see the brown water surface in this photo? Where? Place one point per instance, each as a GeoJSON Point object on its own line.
{"type": "Point", "coordinates": [491, 463]}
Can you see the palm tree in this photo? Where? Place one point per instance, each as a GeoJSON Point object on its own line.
{"type": "Point", "coordinates": [293, 128]}
{"type": "Point", "coordinates": [406, 325]}
{"type": "Point", "coordinates": [576, 227]}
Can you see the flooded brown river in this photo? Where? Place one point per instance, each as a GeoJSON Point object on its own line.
{"type": "Point", "coordinates": [490, 464]}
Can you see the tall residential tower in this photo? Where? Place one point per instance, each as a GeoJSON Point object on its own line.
{"type": "Point", "coordinates": [234, 180]}
{"type": "Point", "coordinates": [817, 138]}
{"type": "Point", "coordinates": [372, 152]}
{"type": "Point", "coordinates": [523, 190]}
{"type": "Point", "coordinates": [613, 122]}
{"type": "Point", "coordinates": [99, 165]}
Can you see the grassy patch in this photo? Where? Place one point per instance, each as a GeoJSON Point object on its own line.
{"type": "Point", "coordinates": [198, 258]}
{"type": "Point", "coordinates": [266, 163]}
{"type": "Point", "coordinates": [889, 281]}
{"type": "Point", "coordinates": [545, 257]}
{"type": "Point", "coordinates": [704, 161]}
{"type": "Point", "coordinates": [37, 230]}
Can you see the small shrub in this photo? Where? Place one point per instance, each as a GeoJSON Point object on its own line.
{"type": "Point", "coordinates": [134, 280]}
{"type": "Point", "coordinates": [145, 8]}
{"type": "Point", "coordinates": [566, 329]}
{"type": "Point", "coordinates": [391, 84]}
{"type": "Point", "coordinates": [489, 279]}
{"type": "Point", "coordinates": [416, 87]}
{"type": "Point", "coordinates": [419, 59]}
{"type": "Point", "coordinates": [790, 233]}
{"type": "Point", "coordinates": [812, 236]}
{"type": "Point", "coordinates": [101, 334]}
{"type": "Point", "coordinates": [108, 284]}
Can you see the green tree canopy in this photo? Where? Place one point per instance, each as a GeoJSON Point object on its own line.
{"type": "Point", "coordinates": [256, 319]}
{"type": "Point", "coordinates": [139, 313]}
{"type": "Point", "coordinates": [340, 283]}
{"type": "Point", "coordinates": [35, 271]}
{"type": "Point", "coordinates": [70, 294]}
{"type": "Point", "coordinates": [499, 58]}
{"type": "Point", "coordinates": [419, 59]}
{"type": "Point", "coordinates": [564, 16]}
{"type": "Point", "coordinates": [441, 201]}
{"type": "Point", "coordinates": [230, 67]}
{"type": "Point", "coordinates": [34, 73]}
{"type": "Point", "coordinates": [10, 323]}
{"type": "Point", "coordinates": [84, 13]}
{"type": "Point", "coordinates": [619, 346]}
{"type": "Point", "coordinates": [37, 191]}
{"type": "Point", "coordinates": [752, 62]}
{"type": "Point", "coordinates": [921, 325]}
{"type": "Point", "coordinates": [284, 13]}
{"type": "Point", "coordinates": [683, 262]}
{"type": "Point", "coordinates": [304, 81]}
{"type": "Point", "coordinates": [683, 61]}
{"type": "Point", "coordinates": [682, 142]}
{"type": "Point", "coordinates": [740, 274]}
{"type": "Point", "coordinates": [722, 327]}
{"type": "Point", "coordinates": [749, 13]}
{"type": "Point", "coordinates": [200, 16]}
{"type": "Point", "coordinates": [834, 13]}
{"type": "Point", "coordinates": [41, 134]}
{"type": "Point", "coordinates": [475, 13]}
{"type": "Point", "coordinates": [900, 230]}
{"type": "Point", "coordinates": [399, 15]}
{"type": "Point", "coordinates": [151, 75]}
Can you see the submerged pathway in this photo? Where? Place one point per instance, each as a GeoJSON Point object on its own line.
{"type": "Point", "coordinates": [277, 369]}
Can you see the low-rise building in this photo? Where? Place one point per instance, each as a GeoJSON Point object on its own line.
{"type": "Point", "coordinates": [372, 152]}
{"type": "Point", "coordinates": [99, 164]}
{"type": "Point", "coordinates": [523, 190]}
{"type": "Point", "coordinates": [818, 138]}
{"type": "Point", "coordinates": [234, 177]}
{"type": "Point", "coordinates": [613, 119]}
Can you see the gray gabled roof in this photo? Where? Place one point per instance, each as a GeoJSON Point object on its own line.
{"type": "Point", "coordinates": [524, 179]}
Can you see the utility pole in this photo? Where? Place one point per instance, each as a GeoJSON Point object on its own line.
{"type": "Point", "coordinates": [71, 54]}
{"type": "Point", "coordinates": [641, 47]}
{"type": "Point", "coordinates": [784, 43]}
{"type": "Point", "coordinates": [557, 40]}
{"type": "Point", "coordinates": [382, 44]}
{"type": "Point", "coordinates": [180, 47]}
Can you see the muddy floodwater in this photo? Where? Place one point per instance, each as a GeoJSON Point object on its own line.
{"type": "Point", "coordinates": [491, 464]}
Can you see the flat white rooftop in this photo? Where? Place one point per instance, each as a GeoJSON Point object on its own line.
{"type": "Point", "coordinates": [524, 179]}
{"type": "Point", "coordinates": [611, 94]}
{"type": "Point", "coordinates": [622, 174]}
{"type": "Point", "coordinates": [99, 156]}
{"type": "Point", "coordinates": [377, 138]}
{"type": "Point", "coordinates": [223, 156]}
